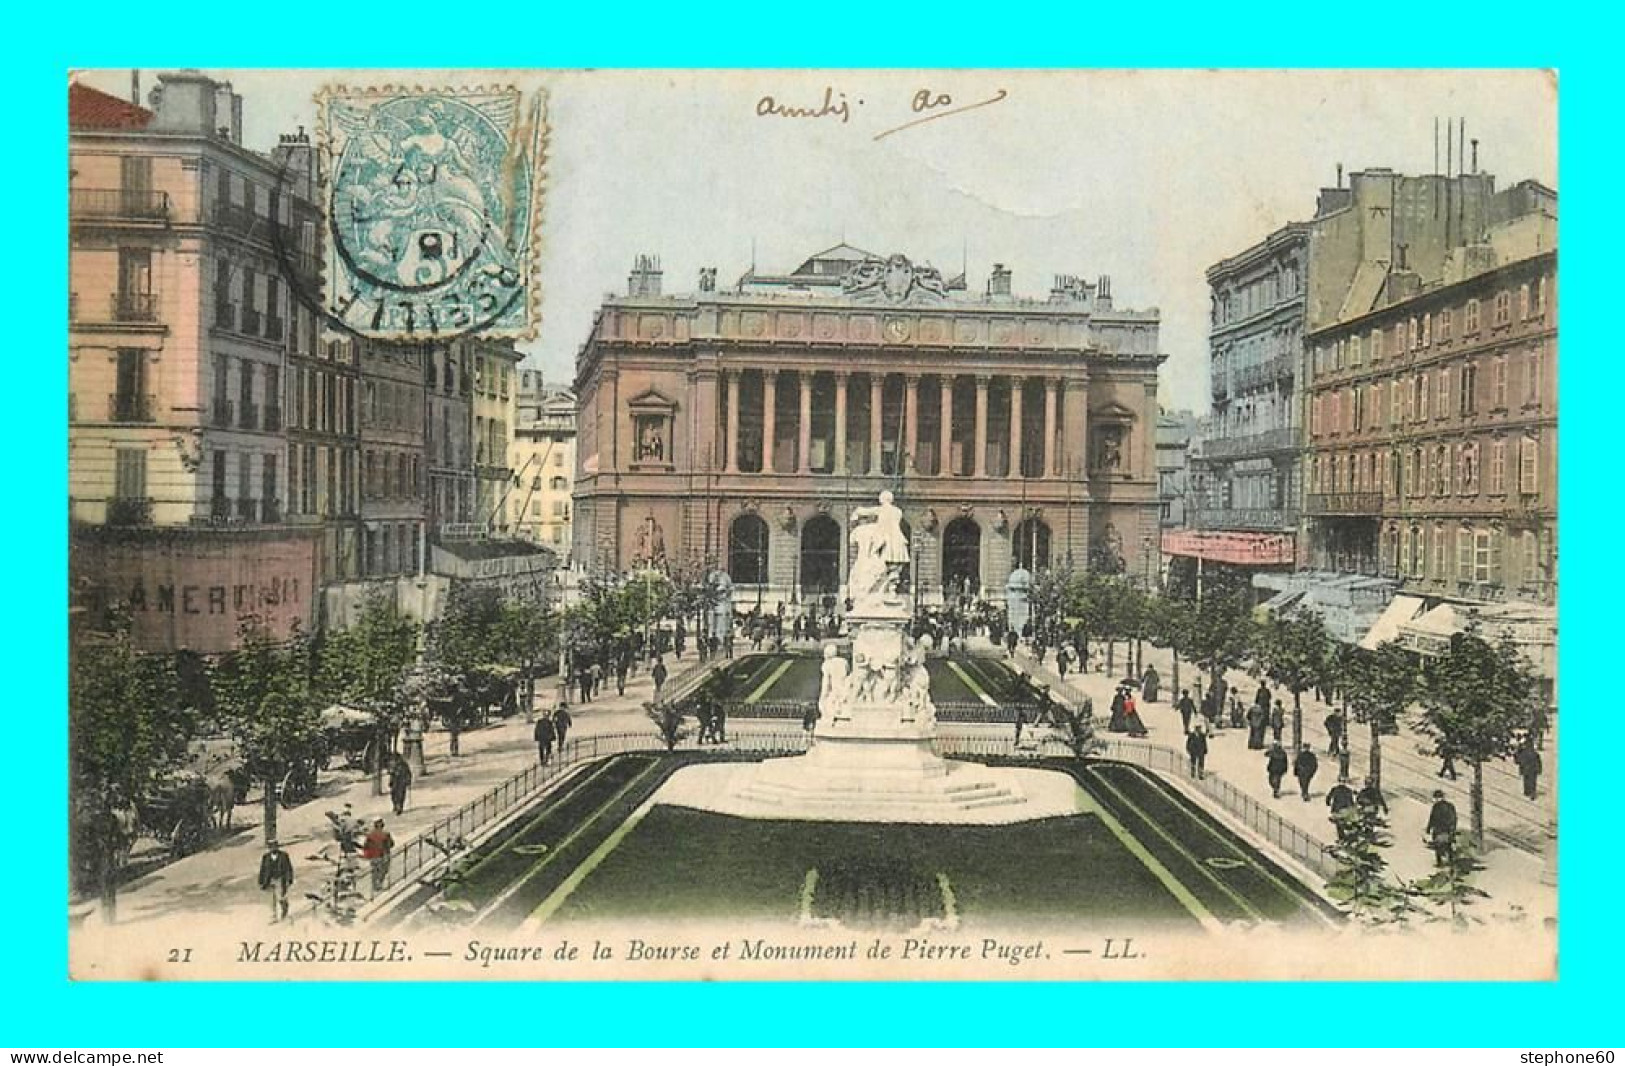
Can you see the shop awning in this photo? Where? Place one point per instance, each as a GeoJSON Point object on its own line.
{"type": "Point", "coordinates": [1400, 609]}
{"type": "Point", "coordinates": [1431, 633]}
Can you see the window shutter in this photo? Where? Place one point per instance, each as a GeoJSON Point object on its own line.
{"type": "Point", "coordinates": [1528, 471]}
{"type": "Point", "coordinates": [1464, 553]}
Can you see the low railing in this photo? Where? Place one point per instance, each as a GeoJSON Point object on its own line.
{"type": "Point", "coordinates": [139, 205]}
{"type": "Point", "coordinates": [1263, 518]}
{"type": "Point", "coordinates": [419, 858]}
{"type": "Point", "coordinates": [129, 511]}
{"type": "Point", "coordinates": [963, 711]}
{"type": "Point", "coordinates": [1348, 503]}
{"type": "Point", "coordinates": [135, 306]}
{"type": "Point", "coordinates": [1273, 440]}
{"type": "Point", "coordinates": [129, 407]}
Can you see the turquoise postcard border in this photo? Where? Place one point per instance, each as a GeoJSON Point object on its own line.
{"type": "Point", "coordinates": [44, 1009]}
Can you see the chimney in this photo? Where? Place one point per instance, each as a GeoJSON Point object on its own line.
{"type": "Point", "coordinates": [186, 102]}
{"type": "Point", "coordinates": [1339, 176]}
{"type": "Point", "coordinates": [645, 277]}
{"type": "Point", "coordinates": [135, 87]}
{"type": "Point", "coordinates": [999, 284]}
{"type": "Point", "coordinates": [1103, 293]}
{"type": "Point", "coordinates": [1475, 154]}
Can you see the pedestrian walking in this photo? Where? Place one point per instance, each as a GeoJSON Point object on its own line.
{"type": "Point", "coordinates": [584, 684]}
{"type": "Point", "coordinates": [659, 674]}
{"type": "Point", "coordinates": [1447, 763]}
{"type": "Point", "coordinates": [1117, 723]}
{"type": "Point", "coordinates": [1344, 757]}
{"type": "Point", "coordinates": [1257, 719]}
{"type": "Point", "coordinates": [1275, 765]}
{"type": "Point", "coordinates": [544, 735]}
{"type": "Point", "coordinates": [1011, 639]}
{"type": "Point", "coordinates": [622, 666]}
{"type": "Point", "coordinates": [1237, 715]}
{"type": "Point", "coordinates": [561, 727]}
{"type": "Point", "coordinates": [809, 718]}
{"type": "Point", "coordinates": [1528, 760]}
{"type": "Point", "coordinates": [1151, 685]}
{"type": "Point", "coordinates": [1277, 721]}
{"type": "Point", "coordinates": [1334, 731]}
{"type": "Point", "coordinates": [276, 874]}
{"type": "Point", "coordinates": [1371, 798]}
{"type": "Point", "coordinates": [375, 849]}
{"type": "Point", "coordinates": [1196, 748]}
{"type": "Point", "coordinates": [1021, 720]}
{"type": "Point", "coordinates": [1187, 709]}
{"type": "Point", "coordinates": [1441, 831]}
{"type": "Point", "coordinates": [400, 779]}
{"type": "Point", "coordinates": [1304, 768]}
{"type": "Point", "coordinates": [1062, 660]}
{"type": "Point", "coordinates": [719, 732]}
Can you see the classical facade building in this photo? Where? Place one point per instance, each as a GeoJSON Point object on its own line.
{"type": "Point", "coordinates": [1432, 456]}
{"type": "Point", "coordinates": [1174, 432]}
{"type": "Point", "coordinates": [393, 457]}
{"type": "Point", "coordinates": [542, 456]}
{"type": "Point", "coordinates": [449, 438]}
{"type": "Point", "coordinates": [741, 427]}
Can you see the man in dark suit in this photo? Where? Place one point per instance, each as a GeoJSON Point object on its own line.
{"type": "Point", "coordinates": [1441, 830]}
{"type": "Point", "coordinates": [1187, 709]}
{"type": "Point", "coordinates": [544, 735]}
{"type": "Point", "coordinates": [1304, 768]}
{"type": "Point", "coordinates": [276, 874]}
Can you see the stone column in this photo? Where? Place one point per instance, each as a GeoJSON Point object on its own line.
{"type": "Point", "coordinates": [945, 435]}
{"type": "Point", "coordinates": [732, 383]}
{"type": "Point", "coordinates": [770, 406]}
{"type": "Point", "coordinates": [1015, 425]}
{"type": "Point", "coordinates": [875, 393]}
{"type": "Point", "coordinates": [804, 424]}
{"type": "Point", "coordinates": [840, 423]}
{"type": "Point", "coordinates": [1049, 428]}
{"type": "Point", "coordinates": [911, 422]}
{"type": "Point", "coordinates": [979, 464]}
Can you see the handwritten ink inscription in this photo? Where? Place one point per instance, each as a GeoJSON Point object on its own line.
{"type": "Point", "coordinates": [927, 105]}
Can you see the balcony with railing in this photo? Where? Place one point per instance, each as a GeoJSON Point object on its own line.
{"type": "Point", "coordinates": [1273, 519]}
{"type": "Point", "coordinates": [130, 407]}
{"type": "Point", "coordinates": [1267, 442]}
{"type": "Point", "coordinates": [129, 511]}
{"type": "Point", "coordinates": [270, 511]}
{"type": "Point", "coordinates": [1266, 373]}
{"type": "Point", "coordinates": [224, 413]}
{"type": "Point", "coordinates": [118, 205]}
{"type": "Point", "coordinates": [219, 508]}
{"type": "Point", "coordinates": [248, 509]}
{"type": "Point", "coordinates": [251, 321]}
{"type": "Point", "coordinates": [237, 218]}
{"type": "Point", "coordinates": [135, 307]}
{"type": "Point", "coordinates": [1362, 504]}
{"type": "Point", "coordinates": [250, 416]}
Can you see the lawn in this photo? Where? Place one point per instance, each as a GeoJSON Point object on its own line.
{"type": "Point", "coordinates": [697, 865]}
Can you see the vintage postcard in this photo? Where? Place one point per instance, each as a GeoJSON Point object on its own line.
{"type": "Point", "coordinates": [860, 525]}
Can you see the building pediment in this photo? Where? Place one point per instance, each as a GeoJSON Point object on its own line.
{"type": "Point", "coordinates": [1113, 411]}
{"type": "Point", "coordinates": [652, 401]}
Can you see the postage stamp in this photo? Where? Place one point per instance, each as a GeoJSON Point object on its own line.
{"type": "Point", "coordinates": [432, 198]}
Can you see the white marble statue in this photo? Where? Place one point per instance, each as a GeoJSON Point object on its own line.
{"type": "Point", "coordinates": [879, 550]}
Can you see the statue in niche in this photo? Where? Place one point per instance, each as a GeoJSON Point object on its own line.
{"type": "Point", "coordinates": [651, 441]}
{"type": "Point", "coordinates": [651, 542]}
{"type": "Point", "coordinates": [1109, 448]}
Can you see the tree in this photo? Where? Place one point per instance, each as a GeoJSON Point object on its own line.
{"type": "Point", "coordinates": [127, 725]}
{"type": "Point", "coordinates": [1361, 881]}
{"type": "Point", "coordinates": [459, 649]}
{"type": "Point", "coordinates": [1295, 653]}
{"type": "Point", "coordinates": [1379, 686]}
{"type": "Point", "coordinates": [1220, 632]}
{"type": "Point", "coordinates": [671, 721]}
{"type": "Point", "coordinates": [263, 690]}
{"type": "Point", "coordinates": [365, 666]}
{"type": "Point", "coordinates": [1449, 888]}
{"type": "Point", "coordinates": [1168, 621]}
{"type": "Point", "coordinates": [1477, 701]}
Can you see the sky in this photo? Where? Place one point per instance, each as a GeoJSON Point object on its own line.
{"type": "Point", "coordinates": [1148, 176]}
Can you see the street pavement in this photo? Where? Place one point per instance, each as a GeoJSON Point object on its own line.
{"type": "Point", "coordinates": [220, 883]}
{"type": "Point", "coordinates": [1520, 833]}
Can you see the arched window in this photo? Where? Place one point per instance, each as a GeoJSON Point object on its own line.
{"type": "Point", "coordinates": [747, 550]}
{"type": "Point", "coordinates": [820, 555]}
{"type": "Point", "coordinates": [1029, 546]}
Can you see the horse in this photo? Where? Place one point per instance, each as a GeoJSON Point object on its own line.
{"type": "Point", "coordinates": [222, 799]}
